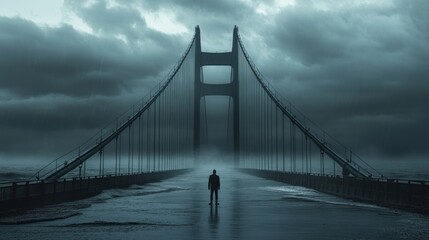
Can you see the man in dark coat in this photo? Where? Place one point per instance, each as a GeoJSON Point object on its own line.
{"type": "Point", "coordinates": [214, 186]}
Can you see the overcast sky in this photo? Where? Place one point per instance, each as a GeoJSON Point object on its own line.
{"type": "Point", "coordinates": [360, 69]}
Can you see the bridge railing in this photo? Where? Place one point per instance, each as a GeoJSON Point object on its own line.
{"type": "Point", "coordinates": [328, 140]}
{"type": "Point", "coordinates": [114, 125]}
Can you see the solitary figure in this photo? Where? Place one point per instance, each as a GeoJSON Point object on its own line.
{"type": "Point", "coordinates": [214, 186]}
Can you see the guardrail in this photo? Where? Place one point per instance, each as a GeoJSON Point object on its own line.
{"type": "Point", "coordinates": [411, 195]}
{"type": "Point", "coordinates": [31, 194]}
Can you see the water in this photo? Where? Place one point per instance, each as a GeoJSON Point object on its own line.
{"type": "Point", "coordinates": [250, 208]}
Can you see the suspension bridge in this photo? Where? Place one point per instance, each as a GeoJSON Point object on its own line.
{"type": "Point", "coordinates": [161, 136]}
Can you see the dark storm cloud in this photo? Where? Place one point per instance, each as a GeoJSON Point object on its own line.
{"type": "Point", "coordinates": [55, 113]}
{"type": "Point", "coordinates": [221, 8]}
{"type": "Point", "coordinates": [215, 18]}
{"type": "Point", "coordinates": [37, 61]}
{"type": "Point", "coordinates": [59, 86]}
{"type": "Point", "coordinates": [124, 21]}
{"type": "Point", "coordinates": [54, 124]}
{"type": "Point", "coordinates": [361, 74]}
{"type": "Point", "coordinates": [114, 20]}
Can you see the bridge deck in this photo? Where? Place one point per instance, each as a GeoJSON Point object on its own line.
{"type": "Point", "coordinates": [250, 208]}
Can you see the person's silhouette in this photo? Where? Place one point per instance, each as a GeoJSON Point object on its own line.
{"type": "Point", "coordinates": [214, 186]}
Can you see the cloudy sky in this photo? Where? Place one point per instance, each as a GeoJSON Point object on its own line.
{"type": "Point", "coordinates": [360, 69]}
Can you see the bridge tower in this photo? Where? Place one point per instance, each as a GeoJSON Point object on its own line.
{"type": "Point", "coordinates": [227, 89]}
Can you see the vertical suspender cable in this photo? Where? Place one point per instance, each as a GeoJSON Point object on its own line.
{"type": "Point", "coordinates": [119, 154]}
{"type": "Point", "coordinates": [132, 147]}
{"type": "Point", "coordinates": [270, 132]}
{"type": "Point", "coordinates": [103, 162]}
{"type": "Point", "coordinates": [129, 148]}
{"type": "Point", "coordinates": [306, 154]}
{"type": "Point", "coordinates": [159, 133]}
{"type": "Point", "coordinates": [334, 167]}
{"type": "Point", "coordinates": [154, 135]}
{"type": "Point", "coordinates": [148, 139]}
{"type": "Point", "coordinates": [116, 155]}
{"type": "Point", "coordinates": [269, 128]}
{"type": "Point", "coordinates": [99, 167]}
{"type": "Point", "coordinates": [309, 154]}
{"type": "Point", "coordinates": [84, 169]}
{"type": "Point", "coordinates": [261, 129]}
{"type": "Point", "coordinates": [291, 146]}
{"type": "Point", "coordinates": [283, 140]}
{"type": "Point", "coordinates": [139, 146]}
{"type": "Point", "coordinates": [277, 141]}
{"type": "Point", "coordinates": [302, 152]}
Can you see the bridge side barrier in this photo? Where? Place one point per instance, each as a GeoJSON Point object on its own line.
{"type": "Point", "coordinates": [407, 195]}
{"type": "Point", "coordinates": [30, 195]}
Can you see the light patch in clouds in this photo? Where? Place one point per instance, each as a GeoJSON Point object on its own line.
{"type": "Point", "coordinates": [333, 5]}
{"type": "Point", "coordinates": [164, 21]}
{"type": "Point", "coordinates": [276, 7]}
{"type": "Point", "coordinates": [71, 18]}
{"type": "Point", "coordinates": [35, 11]}
{"type": "Point", "coordinates": [52, 13]}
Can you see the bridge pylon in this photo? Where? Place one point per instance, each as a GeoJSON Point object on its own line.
{"type": "Point", "coordinates": [228, 89]}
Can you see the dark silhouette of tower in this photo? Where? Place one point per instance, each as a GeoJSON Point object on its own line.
{"type": "Point", "coordinates": [227, 89]}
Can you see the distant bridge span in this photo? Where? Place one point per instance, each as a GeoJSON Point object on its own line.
{"type": "Point", "coordinates": [243, 113]}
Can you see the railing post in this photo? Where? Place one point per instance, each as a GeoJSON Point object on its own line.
{"type": "Point", "coordinates": [27, 189]}
{"type": "Point", "coordinates": [42, 188]}
{"type": "Point", "coordinates": [13, 191]}
{"type": "Point", "coordinates": [73, 184]}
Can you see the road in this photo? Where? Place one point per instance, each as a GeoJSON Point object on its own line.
{"type": "Point", "coordinates": [250, 208]}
